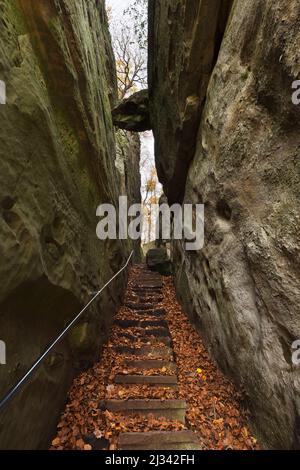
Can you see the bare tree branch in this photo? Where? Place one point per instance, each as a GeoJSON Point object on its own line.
{"type": "Point", "coordinates": [131, 61]}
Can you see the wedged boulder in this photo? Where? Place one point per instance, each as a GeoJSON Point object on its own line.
{"type": "Point", "coordinates": [158, 260]}
{"type": "Point", "coordinates": [132, 114]}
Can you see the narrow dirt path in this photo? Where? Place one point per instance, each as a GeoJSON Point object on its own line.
{"type": "Point", "coordinates": [155, 387]}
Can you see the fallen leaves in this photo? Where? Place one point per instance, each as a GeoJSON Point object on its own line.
{"type": "Point", "coordinates": [214, 406]}
{"type": "Point", "coordinates": [98, 434]}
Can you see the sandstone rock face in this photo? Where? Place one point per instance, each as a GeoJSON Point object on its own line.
{"type": "Point", "coordinates": [58, 163]}
{"type": "Point", "coordinates": [179, 71]}
{"type": "Point", "coordinates": [243, 288]}
{"type": "Point", "coordinates": [128, 166]}
{"type": "Point", "coordinates": [132, 114]}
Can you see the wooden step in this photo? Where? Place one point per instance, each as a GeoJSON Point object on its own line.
{"type": "Point", "coordinates": [159, 380]}
{"type": "Point", "coordinates": [156, 323]}
{"type": "Point", "coordinates": [146, 291]}
{"type": "Point", "coordinates": [150, 364]}
{"type": "Point", "coordinates": [147, 338]}
{"type": "Point", "coordinates": [145, 298]}
{"type": "Point", "coordinates": [128, 323]}
{"type": "Point", "coordinates": [149, 283]}
{"type": "Point", "coordinates": [159, 440]}
{"type": "Point", "coordinates": [143, 333]}
{"type": "Point", "coordinates": [155, 283]}
{"type": "Point", "coordinates": [147, 288]}
{"type": "Point", "coordinates": [169, 409]}
{"type": "Point", "coordinates": [154, 300]}
{"type": "Point", "coordinates": [155, 312]}
{"type": "Point", "coordinates": [141, 323]}
{"type": "Point", "coordinates": [151, 352]}
{"type": "Point", "coordinates": [138, 306]}
{"type": "Point", "coordinates": [157, 332]}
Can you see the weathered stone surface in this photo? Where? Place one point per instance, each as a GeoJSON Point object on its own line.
{"type": "Point", "coordinates": [57, 159]}
{"type": "Point", "coordinates": [179, 72]}
{"type": "Point", "coordinates": [158, 260]}
{"type": "Point", "coordinates": [243, 288]}
{"type": "Point", "coordinates": [132, 114]}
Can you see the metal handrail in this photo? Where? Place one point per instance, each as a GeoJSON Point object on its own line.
{"type": "Point", "coordinates": [16, 387]}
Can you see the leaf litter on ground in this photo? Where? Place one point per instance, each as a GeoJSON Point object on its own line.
{"type": "Point", "coordinates": [215, 410]}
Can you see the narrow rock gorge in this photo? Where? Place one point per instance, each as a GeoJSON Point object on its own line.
{"type": "Point", "coordinates": [58, 163]}
{"type": "Point", "coordinates": [227, 136]}
{"type": "Point", "coordinates": [216, 363]}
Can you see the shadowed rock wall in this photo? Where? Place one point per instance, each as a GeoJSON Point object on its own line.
{"type": "Point", "coordinates": [58, 163]}
{"type": "Point", "coordinates": [241, 155]}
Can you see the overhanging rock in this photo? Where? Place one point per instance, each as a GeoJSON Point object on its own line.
{"type": "Point", "coordinates": [132, 114]}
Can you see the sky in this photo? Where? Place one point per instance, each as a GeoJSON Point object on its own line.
{"type": "Point", "coordinates": [118, 6]}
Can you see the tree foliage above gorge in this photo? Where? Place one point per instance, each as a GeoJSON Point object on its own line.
{"type": "Point", "coordinates": [130, 41]}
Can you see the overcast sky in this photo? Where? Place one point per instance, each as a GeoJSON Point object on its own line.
{"type": "Point", "coordinates": [118, 6]}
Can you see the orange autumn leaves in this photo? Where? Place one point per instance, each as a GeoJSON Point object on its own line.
{"type": "Point", "coordinates": [215, 409]}
{"type": "Point", "coordinates": [215, 412]}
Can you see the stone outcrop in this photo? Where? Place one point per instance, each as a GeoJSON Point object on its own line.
{"type": "Point", "coordinates": [227, 135]}
{"type": "Point", "coordinates": [58, 163]}
{"type": "Point", "coordinates": [132, 114]}
{"type": "Point", "coordinates": [128, 166]}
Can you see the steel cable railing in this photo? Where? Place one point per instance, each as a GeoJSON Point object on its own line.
{"type": "Point", "coordinates": [21, 382]}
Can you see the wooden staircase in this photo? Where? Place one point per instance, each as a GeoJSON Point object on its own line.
{"type": "Point", "coordinates": [150, 347]}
